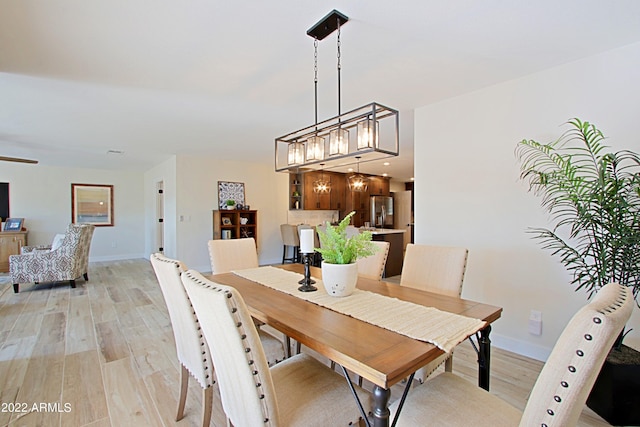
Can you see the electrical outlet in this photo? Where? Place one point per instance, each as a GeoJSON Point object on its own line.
{"type": "Point", "coordinates": [535, 322]}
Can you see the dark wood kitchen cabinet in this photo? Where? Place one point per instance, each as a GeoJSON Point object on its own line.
{"type": "Point", "coordinates": [334, 200]}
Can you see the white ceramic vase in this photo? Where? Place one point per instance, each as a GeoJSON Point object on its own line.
{"type": "Point", "coordinates": [339, 279]}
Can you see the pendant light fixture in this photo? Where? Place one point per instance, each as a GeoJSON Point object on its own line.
{"type": "Point", "coordinates": [376, 125]}
{"type": "Point", "coordinates": [322, 186]}
{"type": "Point", "coordinates": [295, 154]}
{"type": "Point", "coordinates": [368, 130]}
{"type": "Point", "coordinates": [358, 183]}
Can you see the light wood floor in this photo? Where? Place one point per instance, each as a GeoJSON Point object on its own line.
{"type": "Point", "coordinates": [103, 355]}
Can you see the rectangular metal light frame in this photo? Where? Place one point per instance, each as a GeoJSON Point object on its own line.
{"type": "Point", "coordinates": [388, 145]}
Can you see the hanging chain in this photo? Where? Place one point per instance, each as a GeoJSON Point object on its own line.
{"type": "Point", "coordinates": [338, 49]}
{"type": "Point", "coordinates": [315, 60]}
{"type": "Point", "coordinates": [315, 78]}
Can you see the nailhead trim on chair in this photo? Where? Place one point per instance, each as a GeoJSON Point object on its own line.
{"type": "Point", "coordinates": [580, 353]}
{"type": "Point", "coordinates": [233, 310]}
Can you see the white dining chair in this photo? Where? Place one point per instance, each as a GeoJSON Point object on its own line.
{"type": "Point", "coordinates": [372, 267]}
{"type": "Point", "coordinates": [438, 269]}
{"type": "Point", "coordinates": [299, 391]}
{"type": "Point", "coordinates": [232, 254]}
{"type": "Point", "coordinates": [191, 347]}
{"type": "Point", "coordinates": [238, 254]}
{"type": "Point", "coordinates": [560, 392]}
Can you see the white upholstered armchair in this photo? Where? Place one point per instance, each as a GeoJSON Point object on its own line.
{"type": "Point", "coordinates": [68, 262]}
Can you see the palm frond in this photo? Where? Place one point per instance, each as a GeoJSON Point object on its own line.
{"type": "Point", "coordinates": [593, 196]}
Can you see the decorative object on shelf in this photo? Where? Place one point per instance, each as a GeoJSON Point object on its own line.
{"type": "Point", "coordinates": [357, 182]}
{"type": "Point", "coordinates": [13, 224]}
{"type": "Point", "coordinates": [376, 125]}
{"type": "Point", "coordinates": [92, 204]}
{"type": "Point", "coordinates": [235, 224]}
{"type": "Point", "coordinates": [339, 253]}
{"type": "Point", "coordinates": [306, 248]}
{"type": "Point", "coordinates": [233, 191]}
{"type": "Point", "coordinates": [593, 196]}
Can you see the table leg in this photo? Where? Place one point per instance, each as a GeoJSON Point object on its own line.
{"type": "Point", "coordinates": [484, 358]}
{"type": "Point", "coordinates": [381, 406]}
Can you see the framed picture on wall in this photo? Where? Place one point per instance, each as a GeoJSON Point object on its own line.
{"type": "Point", "coordinates": [92, 204]}
{"type": "Point", "coordinates": [230, 191]}
{"type": "Point", "coordinates": [13, 224]}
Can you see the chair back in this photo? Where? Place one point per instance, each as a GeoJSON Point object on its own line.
{"type": "Point", "coordinates": [372, 267]}
{"type": "Point", "coordinates": [192, 349]}
{"type": "Point", "coordinates": [290, 235]}
{"type": "Point", "coordinates": [437, 269]}
{"type": "Point", "coordinates": [246, 386]}
{"type": "Point", "coordinates": [321, 228]}
{"type": "Point", "coordinates": [232, 254]}
{"type": "Point", "coordinates": [562, 388]}
{"type": "Point", "coordinates": [75, 246]}
{"type": "Point", "coordinates": [84, 246]}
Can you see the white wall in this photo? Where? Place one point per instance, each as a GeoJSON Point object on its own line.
{"type": "Point", "coordinates": [468, 192]}
{"type": "Point", "coordinates": [195, 195]}
{"type": "Point", "coordinates": [42, 195]}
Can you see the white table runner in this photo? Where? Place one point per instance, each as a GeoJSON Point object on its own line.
{"type": "Point", "coordinates": [440, 328]}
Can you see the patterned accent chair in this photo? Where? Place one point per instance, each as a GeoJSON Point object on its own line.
{"type": "Point", "coordinates": [68, 262]}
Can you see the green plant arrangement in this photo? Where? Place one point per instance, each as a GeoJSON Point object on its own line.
{"type": "Point", "coordinates": [230, 204]}
{"type": "Point", "coordinates": [593, 196]}
{"type": "Point", "coordinates": [337, 248]}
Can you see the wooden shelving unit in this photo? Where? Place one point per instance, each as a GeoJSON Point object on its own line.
{"type": "Point", "coordinates": [296, 189]}
{"type": "Point", "coordinates": [228, 224]}
{"type": "Point", "coordinates": [10, 244]}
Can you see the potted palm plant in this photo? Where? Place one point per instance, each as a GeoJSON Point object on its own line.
{"type": "Point", "coordinates": [339, 255]}
{"type": "Point", "coordinates": [593, 196]}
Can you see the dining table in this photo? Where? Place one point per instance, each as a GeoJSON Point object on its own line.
{"type": "Point", "coordinates": [382, 356]}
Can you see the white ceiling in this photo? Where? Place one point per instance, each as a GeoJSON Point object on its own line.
{"type": "Point", "coordinates": [198, 77]}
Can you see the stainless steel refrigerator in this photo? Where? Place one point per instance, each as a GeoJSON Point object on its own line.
{"type": "Point", "coordinates": [381, 211]}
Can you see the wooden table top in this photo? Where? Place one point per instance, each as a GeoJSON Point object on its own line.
{"type": "Point", "coordinates": [378, 355]}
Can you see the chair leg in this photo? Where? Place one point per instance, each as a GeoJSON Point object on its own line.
{"type": "Point", "coordinates": [184, 386]}
{"type": "Point", "coordinates": [16, 288]}
{"type": "Point", "coordinates": [86, 277]}
{"type": "Point", "coordinates": [284, 253]}
{"type": "Point", "coordinates": [448, 364]}
{"type": "Point", "coordinates": [207, 404]}
{"type": "Point", "coordinates": [72, 283]}
{"type": "Point", "coordinates": [298, 347]}
{"type": "Point", "coordinates": [287, 343]}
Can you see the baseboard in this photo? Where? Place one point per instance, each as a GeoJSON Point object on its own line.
{"type": "Point", "coordinates": [120, 257]}
{"type": "Point", "coordinates": [520, 347]}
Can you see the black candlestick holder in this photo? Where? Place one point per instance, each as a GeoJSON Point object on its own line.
{"type": "Point", "coordinates": [307, 282]}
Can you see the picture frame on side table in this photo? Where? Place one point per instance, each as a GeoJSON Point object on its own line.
{"type": "Point", "coordinates": [13, 224]}
{"type": "Point", "coordinates": [92, 204]}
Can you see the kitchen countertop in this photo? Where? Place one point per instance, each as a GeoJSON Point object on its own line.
{"type": "Point", "coordinates": [376, 231]}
